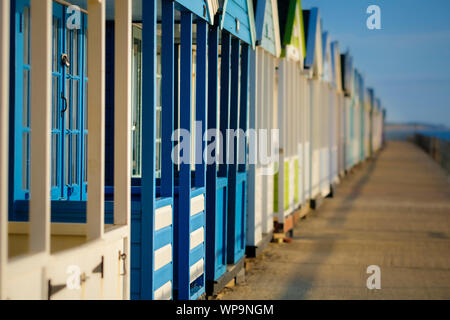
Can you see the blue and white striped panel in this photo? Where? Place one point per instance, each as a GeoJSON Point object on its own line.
{"type": "Point", "coordinates": [197, 238]}
{"type": "Point", "coordinates": [163, 257]}
{"type": "Point", "coordinates": [197, 270]}
{"type": "Point", "coordinates": [164, 292]}
{"type": "Point", "coordinates": [163, 218]}
{"type": "Point", "coordinates": [197, 205]}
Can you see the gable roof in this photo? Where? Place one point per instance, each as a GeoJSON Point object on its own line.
{"type": "Point", "coordinates": [203, 8]}
{"type": "Point", "coordinates": [313, 59]}
{"type": "Point", "coordinates": [347, 73]}
{"type": "Point", "coordinates": [292, 30]}
{"type": "Point", "coordinates": [237, 17]}
{"type": "Point", "coordinates": [370, 95]}
{"type": "Point", "coordinates": [267, 26]}
{"type": "Point", "coordinates": [336, 66]}
{"type": "Point", "coordinates": [195, 6]}
{"type": "Point", "coordinates": [326, 58]}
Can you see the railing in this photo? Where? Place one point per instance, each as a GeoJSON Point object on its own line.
{"type": "Point", "coordinates": [437, 147]}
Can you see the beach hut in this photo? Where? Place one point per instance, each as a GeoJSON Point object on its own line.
{"type": "Point", "coordinates": [369, 132]}
{"type": "Point", "coordinates": [340, 112]}
{"type": "Point", "coordinates": [262, 119]}
{"type": "Point", "coordinates": [314, 63]}
{"type": "Point", "coordinates": [328, 125]}
{"type": "Point", "coordinates": [57, 225]}
{"type": "Point", "coordinates": [349, 108]}
{"type": "Point", "coordinates": [168, 208]}
{"type": "Point", "coordinates": [335, 116]}
{"type": "Point", "coordinates": [289, 179]}
{"type": "Point", "coordinates": [227, 176]}
{"type": "Point", "coordinates": [378, 125]}
{"type": "Point", "coordinates": [170, 47]}
{"type": "Point", "coordinates": [359, 154]}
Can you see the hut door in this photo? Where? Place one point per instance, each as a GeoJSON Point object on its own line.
{"type": "Point", "coordinates": [68, 125]}
{"type": "Point", "coordinates": [68, 87]}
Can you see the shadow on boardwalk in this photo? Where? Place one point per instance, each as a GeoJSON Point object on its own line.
{"type": "Point", "coordinates": [393, 212]}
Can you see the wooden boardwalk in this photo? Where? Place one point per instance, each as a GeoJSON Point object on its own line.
{"type": "Point", "coordinates": [393, 212]}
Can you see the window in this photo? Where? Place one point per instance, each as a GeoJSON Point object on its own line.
{"type": "Point", "coordinates": [136, 117]}
{"type": "Point", "coordinates": [68, 128]}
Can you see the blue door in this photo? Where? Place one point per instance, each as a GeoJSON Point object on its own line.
{"type": "Point", "coordinates": [68, 125]}
{"type": "Point", "coordinates": [68, 134]}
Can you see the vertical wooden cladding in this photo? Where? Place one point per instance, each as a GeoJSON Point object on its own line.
{"type": "Point", "coordinates": [40, 125]}
{"type": "Point", "coordinates": [4, 137]}
{"type": "Point", "coordinates": [96, 120]}
{"type": "Point", "coordinates": [142, 276]}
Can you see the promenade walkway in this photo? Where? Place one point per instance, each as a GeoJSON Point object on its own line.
{"type": "Point", "coordinates": [393, 212]}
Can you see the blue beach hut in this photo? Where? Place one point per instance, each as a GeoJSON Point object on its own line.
{"type": "Point", "coordinates": [226, 187]}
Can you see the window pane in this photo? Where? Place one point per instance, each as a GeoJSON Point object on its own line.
{"type": "Point", "coordinates": [74, 110]}
{"type": "Point", "coordinates": [85, 157]}
{"type": "Point", "coordinates": [68, 95]}
{"type": "Point", "coordinates": [75, 52]}
{"type": "Point", "coordinates": [26, 35]}
{"type": "Point", "coordinates": [67, 159]}
{"type": "Point", "coordinates": [25, 160]}
{"type": "Point", "coordinates": [25, 103]}
{"type": "Point", "coordinates": [136, 106]}
{"type": "Point", "coordinates": [158, 159]}
{"type": "Point", "coordinates": [74, 159]}
{"type": "Point", "coordinates": [55, 113]}
{"type": "Point", "coordinates": [55, 141]}
{"type": "Point", "coordinates": [55, 44]}
{"type": "Point", "coordinates": [68, 43]}
{"type": "Point", "coordinates": [85, 111]}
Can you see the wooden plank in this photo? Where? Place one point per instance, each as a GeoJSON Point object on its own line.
{"type": "Point", "coordinates": [167, 97]}
{"type": "Point", "coordinates": [183, 221]}
{"type": "Point", "coordinates": [232, 149]}
{"type": "Point", "coordinates": [201, 99]}
{"type": "Point", "coordinates": [96, 119]}
{"type": "Point", "coordinates": [40, 109]}
{"type": "Point", "coordinates": [224, 101]}
{"type": "Point", "coordinates": [4, 137]}
{"type": "Point", "coordinates": [211, 170]}
{"type": "Point", "coordinates": [282, 144]}
{"type": "Point", "coordinates": [122, 132]}
{"type": "Point", "coordinates": [243, 110]}
{"type": "Point", "coordinates": [254, 90]}
{"type": "Point", "coordinates": [149, 31]}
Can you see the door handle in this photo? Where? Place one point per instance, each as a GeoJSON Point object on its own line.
{"type": "Point", "coordinates": [123, 259]}
{"type": "Point", "coordinates": [65, 60]}
{"type": "Point", "coordinates": [66, 103]}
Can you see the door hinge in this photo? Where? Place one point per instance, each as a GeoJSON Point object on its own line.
{"type": "Point", "coordinates": [100, 268]}
{"type": "Point", "coordinates": [52, 290]}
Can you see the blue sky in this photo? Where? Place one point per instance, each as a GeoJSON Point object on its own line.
{"type": "Point", "coordinates": [407, 62]}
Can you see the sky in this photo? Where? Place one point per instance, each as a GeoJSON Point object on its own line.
{"type": "Point", "coordinates": [407, 62]}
